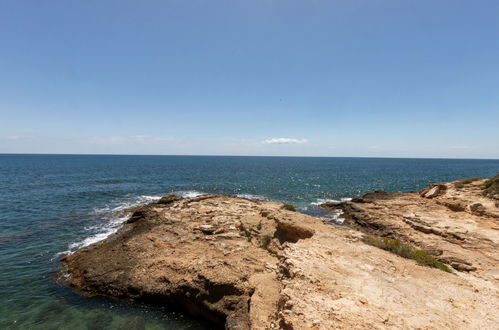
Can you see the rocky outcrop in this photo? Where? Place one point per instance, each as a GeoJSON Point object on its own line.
{"type": "Point", "coordinates": [215, 256]}
{"type": "Point", "coordinates": [453, 221]}
{"type": "Point", "coordinates": [433, 190]}
{"type": "Point", "coordinates": [491, 188]}
{"type": "Point", "coordinates": [169, 199]}
{"type": "Point", "coordinates": [249, 264]}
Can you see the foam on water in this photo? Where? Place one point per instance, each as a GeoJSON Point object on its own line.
{"type": "Point", "coordinates": [62, 191]}
{"type": "Point", "coordinates": [113, 218]}
{"type": "Point", "coordinates": [189, 194]}
{"type": "Point", "coordinates": [335, 217]}
{"type": "Point", "coordinates": [102, 232]}
{"type": "Point", "coordinates": [320, 201]}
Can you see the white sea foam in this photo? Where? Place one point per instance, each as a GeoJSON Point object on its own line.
{"type": "Point", "coordinates": [113, 218]}
{"type": "Point", "coordinates": [320, 201]}
{"type": "Point", "coordinates": [101, 233]}
{"type": "Point", "coordinates": [338, 221]}
{"type": "Point", "coordinates": [334, 216]}
{"type": "Point", "coordinates": [250, 196]}
{"type": "Point", "coordinates": [189, 193]}
{"type": "Point", "coordinates": [141, 200]}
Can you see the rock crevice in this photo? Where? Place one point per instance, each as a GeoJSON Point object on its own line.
{"type": "Point", "coordinates": [249, 264]}
{"type": "Point", "coordinates": [451, 221]}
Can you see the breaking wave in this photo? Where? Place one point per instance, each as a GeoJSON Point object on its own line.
{"type": "Point", "coordinates": [320, 201]}
{"type": "Point", "coordinates": [111, 218]}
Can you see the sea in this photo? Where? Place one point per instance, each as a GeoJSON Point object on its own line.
{"type": "Point", "coordinates": [51, 205]}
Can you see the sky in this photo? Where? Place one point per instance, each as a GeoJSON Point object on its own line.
{"type": "Point", "coordinates": [348, 78]}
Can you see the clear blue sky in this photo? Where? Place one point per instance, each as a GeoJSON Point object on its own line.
{"type": "Point", "coordinates": [394, 78]}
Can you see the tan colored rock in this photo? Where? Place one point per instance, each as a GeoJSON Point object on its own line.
{"type": "Point", "coordinates": [206, 255]}
{"type": "Point", "coordinates": [453, 221]}
{"type": "Point", "coordinates": [433, 190]}
{"type": "Point", "coordinates": [271, 268]}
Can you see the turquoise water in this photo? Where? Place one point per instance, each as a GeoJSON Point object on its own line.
{"type": "Point", "coordinates": [52, 204]}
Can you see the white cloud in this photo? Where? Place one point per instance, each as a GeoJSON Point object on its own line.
{"type": "Point", "coordinates": [284, 141]}
{"type": "Point", "coordinates": [375, 147]}
{"type": "Point", "coordinates": [461, 147]}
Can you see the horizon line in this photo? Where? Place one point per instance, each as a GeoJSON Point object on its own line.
{"type": "Point", "coordinates": [281, 156]}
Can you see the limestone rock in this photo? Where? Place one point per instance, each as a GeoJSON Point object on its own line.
{"type": "Point", "coordinates": [454, 222]}
{"type": "Point", "coordinates": [250, 264]}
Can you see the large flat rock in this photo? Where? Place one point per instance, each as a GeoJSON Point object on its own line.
{"type": "Point", "coordinates": [249, 264]}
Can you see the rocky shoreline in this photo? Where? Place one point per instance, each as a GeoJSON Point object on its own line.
{"type": "Point", "coordinates": [455, 222]}
{"type": "Point", "coordinates": [249, 264]}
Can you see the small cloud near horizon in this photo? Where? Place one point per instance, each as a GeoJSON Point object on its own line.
{"type": "Point", "coordinates": [284, 141]}
{"type": "Point", "coordinates": [461, 147]}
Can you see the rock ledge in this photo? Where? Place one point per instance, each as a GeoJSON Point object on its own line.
{"type": "Point", "coordinates": [249, 264]}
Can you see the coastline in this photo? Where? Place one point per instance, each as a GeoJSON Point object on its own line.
{"type": "Point", "coordinates": [216, 255]}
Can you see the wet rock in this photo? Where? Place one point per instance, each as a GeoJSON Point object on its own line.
{"type": "Point", "coordinates": [169, 199]}
{"type": "Point", "coordinates": [331, 205]}
{"type": "Point", "coordinates": [136, 216]}
{"type": "Point", "coordinates": [133, 323]}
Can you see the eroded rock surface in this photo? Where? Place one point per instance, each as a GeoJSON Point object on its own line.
{"type": "Point", "coordinates": [456, 222]}
{"type": "Point", "coordinates": [249, 264]}
{"type": "Point", "coordinates": [215, 256]}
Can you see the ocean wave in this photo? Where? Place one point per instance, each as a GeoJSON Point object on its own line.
{"type": "Point", "coordinates": [320, 201]}
{"type": "Point", "coordinates": [102, 233]}
{"type": "Point", "coordinates": [139, 200]}
{"type": "Point", "coordinates": [113, 217]}
{"type": "Point", "coordinates": [338, 221]}
{"type": "Point", "coordinates": [189, 194]}
{"type": "Point", "coordinates": [335, 217]}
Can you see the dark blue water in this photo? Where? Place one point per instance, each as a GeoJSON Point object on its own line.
{"type": "Point", "coordinates": [53, 204]}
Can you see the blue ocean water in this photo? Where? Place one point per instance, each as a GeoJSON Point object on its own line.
{"type": "Point", "coordinates": [52, 204]}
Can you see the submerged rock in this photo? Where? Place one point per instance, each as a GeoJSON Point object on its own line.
{"type": "Point", "coordinates": [251, 264]}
